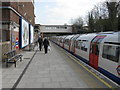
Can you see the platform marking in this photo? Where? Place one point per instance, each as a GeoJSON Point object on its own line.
{"type": "Point", "coordinates": [88, 70]}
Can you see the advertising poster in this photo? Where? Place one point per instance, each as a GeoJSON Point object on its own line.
{"type": "Point", "coordinates": [24, 33]}
{"type": "Point", "coordinates": [31, 34]}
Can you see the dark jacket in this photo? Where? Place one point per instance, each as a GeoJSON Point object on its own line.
{"type": "Point", "coordinates": [40, 41]}
{"type": "Point", "coordinates": [46, 43]}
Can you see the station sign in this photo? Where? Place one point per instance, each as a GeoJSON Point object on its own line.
{"type": "Point", "coordinates": [17, 43]}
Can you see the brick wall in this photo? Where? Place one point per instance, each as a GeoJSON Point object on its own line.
{"type": "Point", "coordinates": [14, 17]}
{"type": "Point", "coordinates": [5, 15]}
{"type": "Point", "coordinates": [22, 8]}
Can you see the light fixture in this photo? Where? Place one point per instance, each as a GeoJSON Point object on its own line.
{"type": "Point", "coordinates": [24, 14]}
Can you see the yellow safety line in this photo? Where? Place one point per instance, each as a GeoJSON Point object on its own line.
{"type": "Point", "coordinates": [89, 71]}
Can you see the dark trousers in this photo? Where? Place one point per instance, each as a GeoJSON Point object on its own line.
{"type": "Point", "coordinates": [40, 46]}
{"type": "Point", "coordinates": [46, 49]}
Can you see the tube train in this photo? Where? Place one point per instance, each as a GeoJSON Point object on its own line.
{"type": "Point", "coordinates": [100, 50]}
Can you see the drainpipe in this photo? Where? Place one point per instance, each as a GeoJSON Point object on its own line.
{"type": "Point", "coordinates": [11, 28]}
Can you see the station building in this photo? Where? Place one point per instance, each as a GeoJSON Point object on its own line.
{"type": "Point", "coordinates": [52, 30]}
{"type": "Point", "coordinates": [16, 24]}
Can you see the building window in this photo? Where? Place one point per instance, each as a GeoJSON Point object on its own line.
{"type": "Point", "coordinates": [36, 27]}
{"type": "Point", "coordinates": [111, 52]}
{"type": "Point", "coordinates": [65, 27]}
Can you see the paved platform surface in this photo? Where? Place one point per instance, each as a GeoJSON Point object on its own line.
{"type": "Point", "coordinates": [11, 74]}
{"type": "Point", "coordinates": [52, 70]}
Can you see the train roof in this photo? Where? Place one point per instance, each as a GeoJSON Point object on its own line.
{"type": "Point", "coordinates": [64, 36]}
{"type": "Point", "coordinates": [69, 37]}
{"type": "Point", "coordinates": [75, 36]}
{"type": "Point", "coordinates": [106, 32]}
{"type": "Point", "coordinates": [115, 38]}
{"type": "Point", "coordinates": [87, 37]}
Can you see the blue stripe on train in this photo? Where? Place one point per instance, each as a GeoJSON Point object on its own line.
{"type": "Point", "coordinates": [109, 75]}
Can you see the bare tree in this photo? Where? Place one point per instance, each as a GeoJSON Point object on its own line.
{"type": "Point", "coordinates": [77, 25]}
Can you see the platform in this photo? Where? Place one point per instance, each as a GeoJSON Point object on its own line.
{"type": "Point", "coordinates": [57, 69]}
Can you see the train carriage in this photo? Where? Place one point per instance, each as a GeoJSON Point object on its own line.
{"type": "Point", "coordinates": [62, 41]}
{"type": "Point", "coordinates": [83, 46]}
{"type": "Point", "coordinates": [58, 40]}
{"type": "Point", "coordinates": [67, 42]}
{"type": "Point", "coordinates": [109, 56]}
{"type": "Point", "coordinates": [73, 43]}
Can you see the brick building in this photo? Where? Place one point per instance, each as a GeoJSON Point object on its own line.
{"type": "Point", "coordinates": [13, 14]}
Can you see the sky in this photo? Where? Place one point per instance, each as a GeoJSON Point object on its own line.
{"type": "Point", "coordinates": [60, 12]}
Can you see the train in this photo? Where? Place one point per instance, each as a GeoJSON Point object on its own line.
{"type": "Point", "coordinates": [99, 50]}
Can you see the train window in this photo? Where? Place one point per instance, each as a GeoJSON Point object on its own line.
{"type": "Point", "coordinates": [78, 45]}
{"type": "Point", "coordinates": [84, 46]}
{"type": "Point", "coordinates": [111, 52]}
{"type": "Point", "coordinates": [97, 49]}
{"type": "Point", "coordinates": [100, 40]}
{"type": "Point", "coordinates": [95, 40]}
{"type": "Point", "coordinates": [92, 48]}
{"type": "Point", "coordinates": [67, 41]}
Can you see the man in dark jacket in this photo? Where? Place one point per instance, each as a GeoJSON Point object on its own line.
{"type": "Point", "coordinates": [40, 41]}
{"type": "Point", "coordinates": [46, 44]}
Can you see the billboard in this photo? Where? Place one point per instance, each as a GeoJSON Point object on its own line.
{"type": "Point", "coordinates": [31, 34]}
{"type": "Point", "coordinates": [24, 33]}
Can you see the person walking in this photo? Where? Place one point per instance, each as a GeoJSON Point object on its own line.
{"type": "Point", "coordinates": [46, 44]}
{"type": "Point", "coordinates": [40, 41]}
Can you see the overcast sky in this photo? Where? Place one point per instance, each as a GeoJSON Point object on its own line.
{"type": "Point", "coordinates": [59, 12]}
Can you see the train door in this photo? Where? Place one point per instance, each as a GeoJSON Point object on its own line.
{"type": "Point", "coordinates": [119, 66]}
{"type": "Point", "coordinates": [63, 39]}
{"type": "Point", "coordinates": [63, 42]}
{"type": "Point", "coordinates": [74, 44]}
{"type": "Point", "coordinates": [94, 51]}
{"type": "Point", "coordinates": [69, 44]}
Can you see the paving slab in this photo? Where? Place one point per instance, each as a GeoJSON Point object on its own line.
{"type": "Point", "coordinates": [11, 74]}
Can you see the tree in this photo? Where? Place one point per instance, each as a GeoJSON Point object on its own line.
{"type": "Point", "coordinates": [113, 13]}
{"type": "Point", "coordinates": [91, 22]}
{"type": "Point", "coordinates": [119, 15]}
{"type": "Point", "coordinates": [77, 25]}
{"type": "Point", "coordinates": [119, 22]}
{"type": "Point", "coordinates": [104, 16]}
